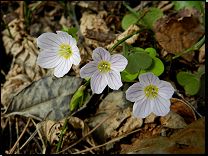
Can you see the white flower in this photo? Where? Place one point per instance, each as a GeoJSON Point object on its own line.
{"type": "Point", "coordinates": [59, 52]}
{"type": "Point", "coordinates": [104, 70]}
{"type": "Point", "coordinates": [150, 95]}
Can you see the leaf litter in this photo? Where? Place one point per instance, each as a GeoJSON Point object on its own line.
{"type": "Point", "coordinates": [126, 133]}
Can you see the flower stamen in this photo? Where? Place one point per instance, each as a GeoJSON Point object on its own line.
{"type": "Point", "coordinates": [65, 51]}
{"type": "Point", "coordinates": [151, 91]}
{"type": "Point", "coordinates": [104, 67]}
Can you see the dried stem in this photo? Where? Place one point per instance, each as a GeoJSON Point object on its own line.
{"type": "Point", "coordinates": [89, 132]}
{"type": "Point", "coordinates": [14, 147]}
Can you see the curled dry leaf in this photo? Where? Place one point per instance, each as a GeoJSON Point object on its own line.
{"type": "Point", "coordinates": [24, 68]}
{"type": "Point", "coordinates": [180, 31]}
{"type": "Point", "coordinates": [96, 23]}
{"type": "Point", "coordinates": [202, 54]}
{"type": "Point", "coordinates": [51, 131]}
{"type": "Point", "coordinates": [190, 140]}
{"type": "Point", "coordinates": [120, 123]}
{"type": "Point", "coordinates": [183, 109]}
{"type": "Point", "coordinates": [173, 120]}
{"type": "Point", "coordinates": [127, 32]}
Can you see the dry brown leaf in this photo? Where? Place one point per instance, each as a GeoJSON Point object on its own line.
{"type": "Point", "coordinates": [24, 68]}
{"type": "Point", "coordinates": [180, 107]}
{"type": "Point", "coordinates": [173, 120]}
{"type": "Point", "coordinates": [96, 23]}
{"type": "Point", "coordinates": [127, 32]}
{"type": "Point", "coordinates": [178, 32]}
{"type": "Point", "coordinates": [150, 118]}
{"type": "Point", "coordinates": [190, 140]}
{"type": "Point", "coordinates": [202, 54]}
{"type": "Point", "coordinates": [51, 131]}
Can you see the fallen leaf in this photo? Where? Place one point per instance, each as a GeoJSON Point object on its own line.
{"type": "Point", "coordinates": [44, 95]}
{"type": "Point", "coordinates": [183, 109]}
{"type": "Point", "coordinates": [24, 51]}
{"type": "Point", "coordinates": [202, 54]}
{"type": "Point", "coordinates": [173, 120]}
{"type": "Point", "coordinates": [190, 140]}
{"type": "Point", "coordinates": [180, 31]}
{"type": "Point", "coordinates": [127, 32]}
{"type": "Point", "coordinates": [51, 131]}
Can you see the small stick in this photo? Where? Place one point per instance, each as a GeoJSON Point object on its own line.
{"type": "Point", "coordinates": [14, 147]}
{"type": "Point", "coordinates": [17, 131]}
{"type": "Point", "coordinates": [113, 140]}
{"type": "Point", "coordinates": [89, 132]}
{"type": "Point", "coordinates": [146, 11]}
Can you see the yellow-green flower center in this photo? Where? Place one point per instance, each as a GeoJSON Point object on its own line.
{"type": "Point", "coordinates": [104, 67]}
{"type": "Point", "coordinates": [65, 51]}
{"type": "Point", "coordinates": [151, 91]}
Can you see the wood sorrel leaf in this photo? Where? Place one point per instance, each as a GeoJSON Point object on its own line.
{"type": "Point", "coordinates": [125, 50]}
{"type": "Point", "coordinates": [126, 76]}
{"type": "Point", "coordinates": [138, 61]}
{"type": "Point", "coordinates": [180, 4]}
{"type": "Point", "coordinates": [189, 81]}
{"type": "Point", "coordinates": [152, 52]}
{"type": "Point", "coordinates": [128, 20]}
{"type": "Point", "coordinates": [156, 67]}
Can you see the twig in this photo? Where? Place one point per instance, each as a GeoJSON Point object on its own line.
{"type": "Point", "coordinates": [113, 140]}
{"type": "Point", "coordinates": [31, 134]}
{"type": "Point", "coordinates": [89, 132]}
{"type": "Point", "coordinates": [17, 131]}
{"type": "Point", "coordinates": [188, 103]}
{"type": "Point", "coordinates": [10, 133]}
{"type": "Point", "coordinates": [14, 147]}
{"type": "Point", "coordinates": [146, 11]}
{"type": "Point", "coordinates": [195, 47]}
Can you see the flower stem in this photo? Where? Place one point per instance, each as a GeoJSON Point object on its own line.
{"type": "Point", "coordinates": [62, 134]}
{"type": "Point", "coordinates": [128, 7]}
{"type": "Point", "coordinates": [197, 46]}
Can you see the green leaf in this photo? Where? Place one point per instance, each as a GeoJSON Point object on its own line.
{"type": "Point", "coordinates": [137, 61]}
{"type": "Point", "coordinates": [64, 27]}
{"type": "Point", "coordinates": [133, 49]}
{"type": "Point", "coordinates": [151, 17]}
{"type": "Point", "coordinates": [141, 72]}
{"type": "Point", "coordinates": [127, 76]}
{"type": "Point", "coordinates": [73, 30]}
{"type": "Point", "coordinates": [202, 83]}
{"type": "Point", "coordinates": [152, 52]}
{"type": "Point", "coordinates": [72, 34]}
{"type": "Point", "coordinates": [86, 97]}
{"type": "Point", "coordinates": [180, 4]}
{"type": "Point", "coordinates": [125, 50]}
{"type": "Point", "coordinates": [157, 66]}
{"type": "Point", "coordinates": [189, 81]}
{"type": "Point", "coordinates": [139, 49]}
{"type": "Point", "coordinates": [77, 98]}
{"type": "Point", "coordinates": [128, 20]}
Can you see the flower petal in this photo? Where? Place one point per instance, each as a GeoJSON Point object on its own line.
{"type": "Point", "coordinates": [165, 89]}
{"type": "Point", "coordinates": [100, 54]}
{"type": "Point", "coordinates": [88, 70]}
{"type": "Point", "coordinates": [149, 78]}
{"type": "Point", "coordinates": [161, 106]}
{"type": "Point", "coordinates": [142, 108]}
{"type": "Point", "coordinates": [76, 56]}
{"type": "Point", "coordinates": [63, 68]}
{"type": "Point", "coordinates": [49, 41]}
{"type": "Point", "coordinates": [47, 59]}
{"type": "Point", "coordinates": [135, 92]}
{"type": "Point", "coordinates": [64, 37]}
{"type": "Point", "coordinates": [114, 80]}
{"type": "Point", "coordinates": [98, 82]}
{"type": "Point", "coordinates": [118, 62]}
